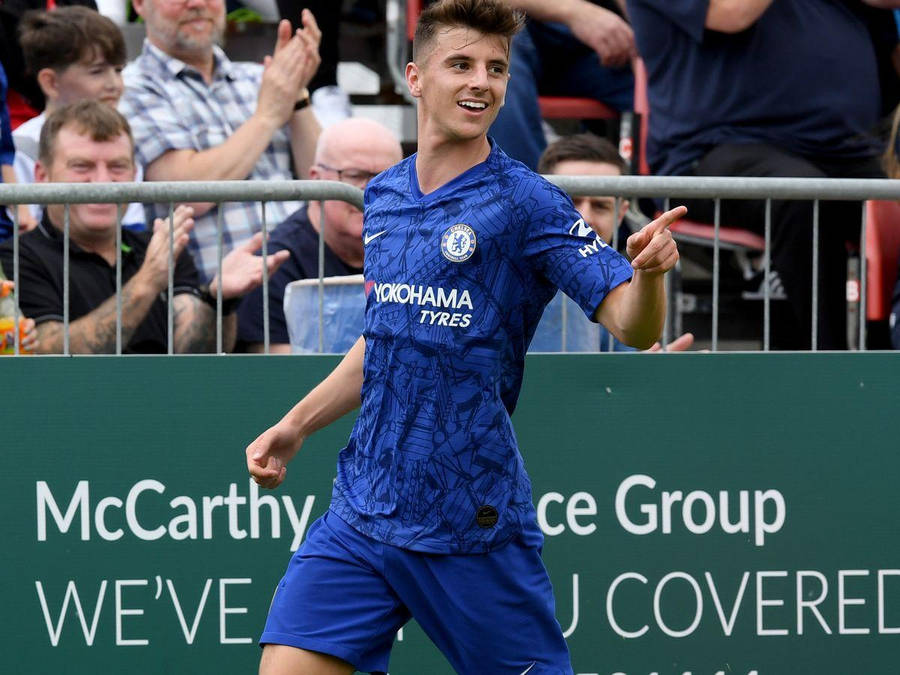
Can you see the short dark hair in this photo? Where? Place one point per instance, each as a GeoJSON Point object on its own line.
{"type": "Point", "coordinates": [92, 118]}
{"type": "Point", "coordinates": [490, 17]}
{"type": "Point", "coordinates": [60, 37]}
{"type": "Point", "coordinates": [581, 148]}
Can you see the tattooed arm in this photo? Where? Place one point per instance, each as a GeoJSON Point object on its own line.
{"type": "Point", "coordinates": [195, 319]}
{"type": "Point", "coordinates": [95, 332]}
{"type": "Point", "coordinates": [195, 326]}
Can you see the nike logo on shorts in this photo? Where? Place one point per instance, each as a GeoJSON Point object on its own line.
{"type": "Point", "coordinates": [370, 237]}
{"type": "Point", "coordinates": [529, 668]}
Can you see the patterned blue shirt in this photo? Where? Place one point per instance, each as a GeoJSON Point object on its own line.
{"type": "Point", "coordinates": [170, 107]}
{"type": "Point", "coordinates": [456, 281]}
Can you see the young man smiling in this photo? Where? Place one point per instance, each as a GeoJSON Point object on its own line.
{"type": "Point", "coordinates": [431, 514]}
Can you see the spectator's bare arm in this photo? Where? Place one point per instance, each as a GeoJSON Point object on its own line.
{"type": "Point", "coordinates": [733, 16]}
{"type": "Point", "coordinates": [95, 332]}
{"type": "Point", "coordinates": [883, 4]}
{"type": "Point", "coordinates": [304, 126]}
{"type": "Point", "coordinates": [604, 31]}
{"type": "Point", "coordinates": [285, 76]}
{"type": "Point", "coordinates": [195, 320]}
{"type": "Point", "coordinates": [195, 326]}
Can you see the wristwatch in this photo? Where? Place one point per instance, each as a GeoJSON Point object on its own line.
{"type": "Point", "coordinates": [303, 101]}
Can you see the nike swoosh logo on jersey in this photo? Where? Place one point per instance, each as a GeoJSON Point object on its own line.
{"type": "Point", "coordinates": [529, 668]}
{"type": "Point", "coordinates": [370, 237]}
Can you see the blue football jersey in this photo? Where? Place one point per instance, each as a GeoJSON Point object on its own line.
{"type": "Point", "coordinates": [456, 281]}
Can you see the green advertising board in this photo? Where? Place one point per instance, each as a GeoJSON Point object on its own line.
{"type": "Point", "coordinates": [703, 513]}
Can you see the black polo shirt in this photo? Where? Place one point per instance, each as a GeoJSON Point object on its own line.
{"type": "Point", "coordinates": [91, 281]}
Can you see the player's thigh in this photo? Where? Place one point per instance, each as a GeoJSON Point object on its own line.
{"type": "Point", "coordinates": [490, 613]}
{"type": "Point", "coordinates": [333, 599]}
{"type": "Point", "coordinates": [285, 660]}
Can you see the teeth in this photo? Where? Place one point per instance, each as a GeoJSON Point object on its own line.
{"type": "Point", "coordinates": [473, 104]}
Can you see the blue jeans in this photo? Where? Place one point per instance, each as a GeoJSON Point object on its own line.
{"type": "Point", "coordinates": [548, 59]}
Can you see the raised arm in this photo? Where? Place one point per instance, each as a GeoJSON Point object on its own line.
{"type": "Point", "coordinates": [195, 319]}
{"type": "Point", "coordinates": [95, 332]}
{"type": "Point", "coordinates": [284, 79]}
{"type": "Point", "coordinates": [331, 399]}
{"type": "Point", "coordinates": [635, 312]}
{"type": "Point", "coordinates": [603, 31]}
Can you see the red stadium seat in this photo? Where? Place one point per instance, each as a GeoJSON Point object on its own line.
{"type": "Point", "coordinates": [576, 108]}
{"type": "Point", "coordinates": [882, 257]}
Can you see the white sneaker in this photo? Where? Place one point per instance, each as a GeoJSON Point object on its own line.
{"type": "Point", "coordinates": [330, 104]}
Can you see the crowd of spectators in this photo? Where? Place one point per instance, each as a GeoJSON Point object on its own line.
{"type": "Point", "coordinates": [752, 88]}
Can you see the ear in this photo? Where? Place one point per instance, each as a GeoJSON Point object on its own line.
{"type": "Point", "coordinates": [623, 208]}
{"type": "Point", "coordinates": [412, 80]}
{"type": "Point", "coordinates": [138, 7]}
{"type": "Point", "coordinates": [40, 173]}
{"type": "Point", "coordinates": [47, 80]}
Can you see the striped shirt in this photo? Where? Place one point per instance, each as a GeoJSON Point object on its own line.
{"type": "Point", "coordinates": [171, 107]}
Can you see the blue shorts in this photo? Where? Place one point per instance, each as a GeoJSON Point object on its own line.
{"type": "Point", "coordinates": [347, 595]}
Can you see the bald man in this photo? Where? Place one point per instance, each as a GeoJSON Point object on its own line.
{"type": "Point", "coordinates": [352, 151]}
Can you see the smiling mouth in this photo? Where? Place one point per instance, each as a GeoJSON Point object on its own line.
{"type": "Point", "coordinates": [472, 106]}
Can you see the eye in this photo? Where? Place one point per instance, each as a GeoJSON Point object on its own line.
{"type": "Point", "coordinates": [460, 65]}
{"type": "Point", "coordinates": [498, 70]}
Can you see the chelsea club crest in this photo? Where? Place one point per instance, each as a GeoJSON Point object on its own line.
{"type": "Point", "coordinates": [458, 243]}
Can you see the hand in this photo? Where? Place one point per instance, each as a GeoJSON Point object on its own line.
{"type": "Point", "coordinates": [680, 344]}
{"type": "Point", "coordinates": [268, 455]}
{"type": "Point", "coordinates": [30, 340]}
{"type": "Point", "coordinates": [652, 249]}
{"type": "Point", "coordinates": [26, 220]}
{"type": "Point", "coordinates": [242, 269]}
{"type": "Point", "coordinates": [155, 268]}
{"type": "Point", "coordinates": [287, 72]}
{"type": "Point", "coordinates": [605, 32]}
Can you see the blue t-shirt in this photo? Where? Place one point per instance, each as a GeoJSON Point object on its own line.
{"type": "Point", "coordinates": [456, 282]}
{"type": "Point", "coordinates": [803, 77]}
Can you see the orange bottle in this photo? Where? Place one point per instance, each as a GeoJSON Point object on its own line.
{"type": "Point", "coordinates": [7, 320]}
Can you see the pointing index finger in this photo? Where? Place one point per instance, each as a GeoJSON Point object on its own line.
{"type": "Point", "coordinates": [667, 219]}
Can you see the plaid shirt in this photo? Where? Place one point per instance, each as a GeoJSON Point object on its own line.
{"type": "Point", "coordinates": [170, 107]}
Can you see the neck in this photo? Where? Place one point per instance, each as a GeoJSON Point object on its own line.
{"type": "Point", "coordinates": [440, 160]}
{"type": "Point", "coordinates": [346, 248]}
{"type": "Point", "coordinates": [103, 244]}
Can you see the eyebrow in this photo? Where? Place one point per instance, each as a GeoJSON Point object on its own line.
{"type": "Point", "coordinates": [458, 56]}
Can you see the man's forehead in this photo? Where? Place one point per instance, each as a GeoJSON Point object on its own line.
{"type": "Point", "coordinates": [463, 38]}
{"type": "Point", "coordinates": [73, 140]}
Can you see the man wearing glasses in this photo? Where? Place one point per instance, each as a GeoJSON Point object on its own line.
{"type": "Point", "coordinates": [352, 151]}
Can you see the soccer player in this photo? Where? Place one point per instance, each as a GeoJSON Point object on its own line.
{"type": "Point", "coordinates": [431, 515]}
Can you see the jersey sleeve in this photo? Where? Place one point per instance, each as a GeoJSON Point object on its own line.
{"type": "Point", "coordinates": [562, 247]}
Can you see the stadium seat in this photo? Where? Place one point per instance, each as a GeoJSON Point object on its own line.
{"type": "Point", "coordinates": [882, 257]}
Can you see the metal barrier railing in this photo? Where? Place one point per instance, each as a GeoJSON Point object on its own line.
{"type": "Point", "coordinates": [171, 193]}
{"type": "Point", "coordinates": [716, 188]}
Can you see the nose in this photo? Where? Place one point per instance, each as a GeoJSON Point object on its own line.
{"type": "Point", "coordinates": [479, 78]}
{"type": "Point", "coordinates": [101, 174]}
{"type": "Point", "coordinates": [114, 80]}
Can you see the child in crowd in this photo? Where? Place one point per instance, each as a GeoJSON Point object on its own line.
{"type": "Point", "coordinates": [75, 54]}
